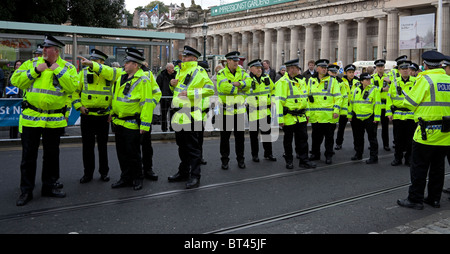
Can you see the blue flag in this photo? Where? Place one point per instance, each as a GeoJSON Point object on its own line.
{"type": "Point", "coordinates": [11, 90]}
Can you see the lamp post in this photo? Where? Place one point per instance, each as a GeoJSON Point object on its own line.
{"type": "Point", "coordinates": [384, 52]}
{"type": "Point", "coordinates": [205, 32]}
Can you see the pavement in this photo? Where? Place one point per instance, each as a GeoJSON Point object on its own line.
{"type": "Point", "coordinates": [436, 223]}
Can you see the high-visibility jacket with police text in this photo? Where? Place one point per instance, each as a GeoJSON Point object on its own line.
{"type": "Point", "coordinates": [232, 97]}
{"type": "Point", "coordinates": [365, 102]}
{"type": "Point", "coordinates": [47, 93]}
{"type": "Point", "coordinates": [259, 97]}
{"type": "Point", "coordinates": [395, 97]}
{"type": "Point", "coordinates": [327, 99]}
{"type": "Point", "coordinates": [291, 94]}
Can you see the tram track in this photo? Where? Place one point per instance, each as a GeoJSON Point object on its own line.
{"type": "Point", "coordinates": [231, 229]}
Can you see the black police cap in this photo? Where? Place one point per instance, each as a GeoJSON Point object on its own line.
{"type": "Point", "coordinates": [190, 51]}
{"type": "Point", "coordinates": [364, 75]}
{"type": "Point", "coordinates": [350, 67]}
{"type": "Point", "coordinates": [256, 63]}
{"type": "Point", "coordinates": [39, 49]}
{"type": "Point", "coordinates": [134, 55]}
{"type": "Point", "coordinates": [322, 62]}
{"type": "Point", "coordinates": [414, 66]}
{"type": "Point", "coordinates": [50, 41]}
{"type": "Point", "coordinates": [403, 64]}
{"type": "Point", "coordinates": [233, 55]}
{"type": "Point", "coordinates": [446, 61]}
{"type": "Point", "coordinates": [203, 64]}
{"type": "Point", "coordinates": [97, 54]}
{"type": "Point", "coordinates": [333, 68]}
{"type": "Point", "coordinates": [294, 62]}
{"type": "Point", "coordinates": [379, 62]}
{"type": "Point", "coordinates": [400, 58]}
{"type": "Point", "coordinates": [433, 58]}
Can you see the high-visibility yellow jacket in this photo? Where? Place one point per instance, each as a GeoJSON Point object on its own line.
{"type": "Point", "coordinates": [429, 99]}
{"type": "Point", "coordinates": [344, 91]}
{"type": "Point", "coordinates": [259, 97]}
{"type": "Point", "coordinates": [327, 99]}
{"type": "Point", "coordinates": [95, 96]}
{"type": "Point", "coordinates": [195, 80]}
{"type": "Point", "coordinates": [378, 82]}
{"type": "Point", "coordinates": [231, 97]}
{"type": "Point", "coordinates": [156, 91]}
{"type": "Point", "coordinates": [395, 97]}
{"type": "Point", "coordinates": [48, 92]}
{"type": "Point", "coordinates": [365, 102]}
{"type": "Point", "coordinates": [350, 84]}
{"type": "Point", "coordinates": [291, 94]}
{"type": "Point", "coordinates": [132, 104]}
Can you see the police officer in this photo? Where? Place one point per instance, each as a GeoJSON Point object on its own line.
{"type": "Point", "coordinates": [429, 100]}
{"type": "Point", "coordinates": [206, 106]}
{"type": "Point", "coordinates": [402, 118]}
{"type": "Point", "coordinates": [259, 99]}
{"type": "Point", "coordinates": [190, 86]}
{"type": "Point", "coordinates": [93, 100]}
{"type": "Point", "coordinates": [349, 83]}
{"type": "Point", "coordinates": [39, 50]}
{"type": "Point", "coordinates": [333, 71]}
{"type": "Point", "coordinates": [146, 137]}
{"type": "Point", "coordinates": [324, 107]}
{"type": "Point", "coordinates": [232, 84]}
{"type": "Point", "coordinates": [132, 113]}
{"type": "Point", "coordinates": [364, 113]}
{"type": "Point", "coordinates": [381, 81]}
{"type": "Point", "coordinates": [48, 82]}
{"type": "Point", "coordinates": [414, 69]}
{"type": "Point", "coordinates": [446, 65]}
{"type": "Point", "coordinates": [292, 104]}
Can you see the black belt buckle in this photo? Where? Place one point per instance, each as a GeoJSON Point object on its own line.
{"type": "Point", "coordinates": [445, 124]}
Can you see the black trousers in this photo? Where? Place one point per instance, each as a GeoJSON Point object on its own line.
{"type": "Point", "coordinates": [190, 152]}
{"type": "Point", "coordinates": [384, 128]}
{"type": "Point", "coordinates": [50, 159]}
{"type": "Point", "coordinates": [166, 108]}
{"type": "Point", "coordinates": [403, 136]}
{"type": "Point", "coordinates": [340, 133]}
{"type": "Point", "coordinates": [147, 151]}
{"type": "Point", "coordinates": [263, 126]}
{"type": "Point", "coordinates": [128, 148]}
{"type": "Point", "coordinates": [92, 128]}
{"type": "Point", "coordinates": [318, 133]}
{"type": "Point", "coordinates": [359, 128]}
{"type": "Point", "coordinates": [427, 160]}
{"type": "Point", "coordinates": [235, 122]}
{"type": "Point", "coordinates": [299, 133]}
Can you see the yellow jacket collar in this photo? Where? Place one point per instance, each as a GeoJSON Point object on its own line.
{"type": "Point", "coordinates": [188, 65]}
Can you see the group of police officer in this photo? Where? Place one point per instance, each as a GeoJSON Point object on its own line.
{"type": "Point", "coordinates": [127, 97]}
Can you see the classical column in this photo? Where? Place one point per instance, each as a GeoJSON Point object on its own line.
{"type": "Point", "coordinates": [280, 47]}
{"type": "Point", "coordinates": [309, 46]}
{"type": "Point", "coordinates": [294, 42]}
{"type": "Point", "coordinates": [244, 48]}
{"type": "Point", "coordinates": [361, 50]}
{"type": "Point", "coordinates": [234, 41]}
{"type": "Point", "coordinates": [381, 44]}
{"type": "Point", "coordinates": [445, 27]}
{"type": "Point", "coordinates": [342, 43]}
{"type": "Point", "coordinates": [216, 44]}
{"type": "Point", "coordinates": [225, 43]}
{"type": "Point", "coordinates": [267, 44]}
{"type": "Point", "coordinates": [255, 45]}
{"type": "Point", "coordinates": [392, 35]}
{"type": "Point", "coordinates": [325, 41]}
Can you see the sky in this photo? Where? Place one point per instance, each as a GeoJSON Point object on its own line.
{"type": "Point", "coordinates": [130, 5]}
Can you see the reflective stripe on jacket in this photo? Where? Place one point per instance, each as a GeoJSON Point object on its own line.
{"type": "Point", "coordinates": [291, 93]}
{"type": "Point", "coordinates": [232, 98]}
{"type": "Point", "coordinates": [363, 108]}
{"type": "Point", "coordinates": [327, 99]}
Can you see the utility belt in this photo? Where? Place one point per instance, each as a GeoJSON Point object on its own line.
{"type": "Point", "coordinates": [445, 123]}
{"type": "Point", "coordinates": [136, 117]}
{"type": "Point", "coordinates": [26, 104]}
{"type": "Point", "coordinates": [297, 112]}
{"type": "Point", "coordinates": [99, 111]}
{"type": "Point", "coordinates": [394, 108]}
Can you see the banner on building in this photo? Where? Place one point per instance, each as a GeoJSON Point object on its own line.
{"type": "Point", "coordinates": [11, 108]}
{"type": "Point", "coordinates": [244, 5]}
{"type": "Point", "coordinates": [417, 32]}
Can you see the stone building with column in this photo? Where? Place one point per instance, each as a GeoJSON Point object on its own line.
{"type": "Point", "coordinates": [339, 30]}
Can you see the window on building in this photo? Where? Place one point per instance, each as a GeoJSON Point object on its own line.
{"type": "Point", "coordinates": [374, 53]}
{"type": "Point", "coordinates": [318, 52]}
{"type": "Point", "coordinates": [355, 54]}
